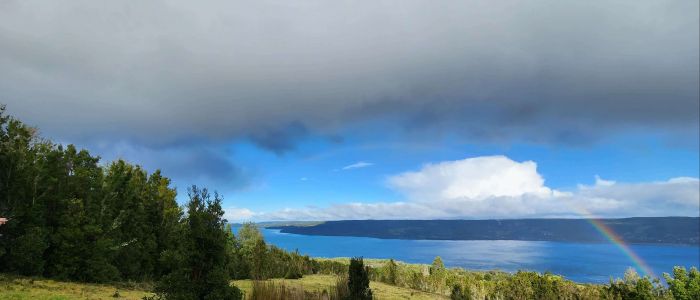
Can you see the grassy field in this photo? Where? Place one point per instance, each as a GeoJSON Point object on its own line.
{"type": "Point", "coordinates": [323, 282]}
{"type": "Point", "coordinates": [21, 288]}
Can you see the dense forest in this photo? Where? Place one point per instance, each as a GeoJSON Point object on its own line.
{"type": "Point", "coordinates": [667, 230]}
{"type": "Point", "coordinates": [71, 217]}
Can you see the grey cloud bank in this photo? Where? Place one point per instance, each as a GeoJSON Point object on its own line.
{"type": "Point", "coordinates": [160, 73]}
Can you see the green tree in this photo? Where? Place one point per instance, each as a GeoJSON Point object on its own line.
{"type": "Point", "coordinates": [684, 286]}
{"type": "Point", "coordinates": [127, 194]}
{"type": "Point", "coordinates": [632, 286]}
{"type": "Point", "coordinates": [253, 250]}
{"type": "Point", "coordinates": [238, 267]}
{"type": "Point", "coordinates": [198, 269]}
{"type": "Point", "coordinates": [79, 248]}
{"type": "Point", "coordinates": [163, 216]}
{"type": "Point", "coordinates": [358, 280]}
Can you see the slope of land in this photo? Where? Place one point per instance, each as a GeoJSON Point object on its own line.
{"type": "Point", "coordinates": [661, 230]}
{"type": "Point", "coordinates": [20, 288]}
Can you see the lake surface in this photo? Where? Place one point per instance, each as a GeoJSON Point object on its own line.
{"type": "Point", "coordinates": [580, 262]}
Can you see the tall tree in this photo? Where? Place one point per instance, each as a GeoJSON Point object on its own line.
{"type": "Point", "coordinates": [253, 250]}
{"type": "Point", "coordinates": [358, 280]}
{"type": "Point", "coordinates": [199, 266]}
{"type": "Point", "coordinates": [163, 215]}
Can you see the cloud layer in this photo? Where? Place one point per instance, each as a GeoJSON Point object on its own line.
{"type": "Point", "coordinates": [498, 187]}
{"type": "Point", "coordinates": [166, 72]}
{"type": "Point", "coordinates": [170, 83]}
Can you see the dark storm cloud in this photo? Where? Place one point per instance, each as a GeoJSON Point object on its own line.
{"type": "Point", "coordinates": [161, 73]}
{"type": "Point", "coordinates": [191, 164]}
{"type": "Point", "coordinates": [280, 140]}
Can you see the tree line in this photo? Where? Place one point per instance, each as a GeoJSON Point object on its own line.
{"type": "Point", "coordinates": [463, 284]}
{"type": "Point", "coordinates": [67, 216]}
{"type": "Point", "coordinates": [71, 218]}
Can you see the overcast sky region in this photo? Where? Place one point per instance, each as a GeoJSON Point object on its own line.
{"type": "Point", "coordinates": [381, 109]}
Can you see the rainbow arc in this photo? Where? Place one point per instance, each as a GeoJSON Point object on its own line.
{"type": "Point", "coordinates": [615, 239]}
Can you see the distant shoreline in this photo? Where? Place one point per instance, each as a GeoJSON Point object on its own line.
{"type": "Point", "coordinates": [638, 230]}
{"type": "Point", "coordinates": [409, 239]}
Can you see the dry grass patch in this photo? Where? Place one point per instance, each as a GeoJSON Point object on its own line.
{"type": "Point", "coordinates": [319, 283]}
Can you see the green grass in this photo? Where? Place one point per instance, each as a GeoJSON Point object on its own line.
{"type": "Point", "coordinates": [21, 288]}
{"type": "Point", "coordinates": [318, 283]}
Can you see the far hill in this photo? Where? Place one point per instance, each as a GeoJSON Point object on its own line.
{"type": "Point", "coordinates": [653, 230]}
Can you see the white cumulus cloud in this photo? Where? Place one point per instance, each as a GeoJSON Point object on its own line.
{"type": "Point", "coordinates": [474, 178]}
{"type": "Point", "coordinates": [499, 187]}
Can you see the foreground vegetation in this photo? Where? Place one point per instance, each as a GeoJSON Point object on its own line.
{"type": "Point", "coordinates": [506, 286]}
{"type": "Point", "coordinates": [465, 284]}
{"type": "Point", "coordinates": [73, 219]}
{"type": "Point", "coordinates": [317, 284]}
{"type": "Point", "coordinates": [20, 288]}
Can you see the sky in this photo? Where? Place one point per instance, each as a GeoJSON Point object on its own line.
{"type": "Point", "coordinates": [311, 110]}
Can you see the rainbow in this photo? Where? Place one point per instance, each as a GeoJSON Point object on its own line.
{"type": "Point", "coordinates": [614, 238]}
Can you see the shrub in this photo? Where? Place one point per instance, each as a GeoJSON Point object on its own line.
{"type": "Point", "coordinates": [271, 290]}
{"type": "Point", "coordinates": [459, 294]}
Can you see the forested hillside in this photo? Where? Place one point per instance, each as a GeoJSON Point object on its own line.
{"type": "Point", "coordinates": [669, 230]}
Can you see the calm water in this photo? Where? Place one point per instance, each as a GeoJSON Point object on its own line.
{"type": "Point", "coordinates": [576, 261]}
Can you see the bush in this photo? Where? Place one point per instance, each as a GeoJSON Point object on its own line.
{"type": "Point", "coordinates": [387, 273]}
{"type": "Point", "coordinates": [271, 290]}
{"type": "Point", "coordinates": [292, 274]}
{"type": "Point", "coordinates": [332, 267]}
{"type": "Point", "coordinates": [341, 290]}
{"type": "Point", "coordinates": [459, 294]}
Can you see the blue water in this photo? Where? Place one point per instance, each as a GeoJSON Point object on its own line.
{"type": "Point", "coordinates": [582, 262]}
